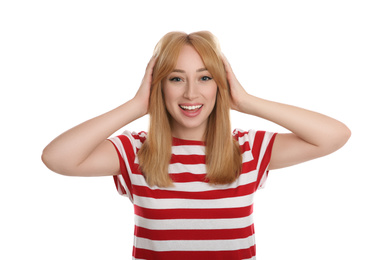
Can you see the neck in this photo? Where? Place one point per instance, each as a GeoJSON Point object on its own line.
{"type": "Point", "coordinates": [189, 134]}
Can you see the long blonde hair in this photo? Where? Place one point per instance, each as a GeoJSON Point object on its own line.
{"type": "Point", "coordinates": [223, 155]}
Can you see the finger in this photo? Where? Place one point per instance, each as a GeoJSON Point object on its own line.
{"type": "Point", "coordinates": [149, 70]}
{"type": "Point", "coordinates": [229, 71]}
{"type": "Point", "coordinates": [151, 63]}
{"type": "Point", "coordinates": [226, 63]}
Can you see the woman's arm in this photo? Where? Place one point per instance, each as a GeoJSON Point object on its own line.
{"type": "Point", "coordinates": [313, 134]}
{"type": "Point", "coordinates": [84, 150]}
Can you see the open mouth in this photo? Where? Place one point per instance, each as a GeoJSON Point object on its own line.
{"type": "Point", "coordinates": [191, 108]}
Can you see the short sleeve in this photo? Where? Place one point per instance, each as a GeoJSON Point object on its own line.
{"type": "Point", "coordinates": [127, 146]}
{"type": "Point", "coordinates": [256, 148]}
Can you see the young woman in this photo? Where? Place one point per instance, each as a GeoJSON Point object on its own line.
{"type": "Point", "coordinates": [191, 179]}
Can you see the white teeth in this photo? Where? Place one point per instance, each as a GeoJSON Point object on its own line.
{"type": "Point", "coordinates": [191, 107]}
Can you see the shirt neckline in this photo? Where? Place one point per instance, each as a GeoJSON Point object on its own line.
{"type": "Point", "coordinates": [178, 141]}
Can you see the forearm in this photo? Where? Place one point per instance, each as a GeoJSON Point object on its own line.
{"type": "Point", "coordinates": [71, 148]}
{"type": "Point", "coordinates": [312, 134]}
{"type": "Point", "coordinates": [312, 127]}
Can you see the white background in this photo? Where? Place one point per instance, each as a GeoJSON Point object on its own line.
{"type": "Point", "coordinates": [63, 62]}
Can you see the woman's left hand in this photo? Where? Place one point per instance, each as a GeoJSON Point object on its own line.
{"type": "Point", "coordinates": [237, 92]}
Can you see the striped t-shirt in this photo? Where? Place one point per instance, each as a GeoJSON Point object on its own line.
{"type": "Point", "coordinates": [193, 219]}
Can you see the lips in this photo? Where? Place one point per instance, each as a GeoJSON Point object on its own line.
{"type": "Point", "coordinates": [191, 110]}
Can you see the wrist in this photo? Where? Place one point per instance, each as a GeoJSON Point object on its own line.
{"type": "Point", "coordinates": [244, 103]}
{"type": "Point", "coordinates": [131, 110]}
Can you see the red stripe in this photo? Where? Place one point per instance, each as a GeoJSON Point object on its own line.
{"type": "Point", "coordinates": [240, 134]}
{"type": "Point", "coordinates": [188, 177]}
{"type": "Point", "coordinates": [266, 158]}
{"type": "Point", "coordinates": [199, 234]}
{"type": "Point", "coordinates": [140, 136]}
{"type": "Point", "coordinates": [119, 187]}
{"type": "Point", "coordinates": [259, 137]}
{"type": "Point", "coordinates": [188, 159]}
{"type": "Point", "coordinates": [245, 147]}
{"type": "Point", "coordinates": [180, 142]}
{"type": "Point", "coordinates": [249, 166]}
{"type": "Point", "coordinates": [213, 194]}
{"type": "Point", "coordinates": [124, 173]}
{"type": "Point", "coordinates": [191, 213]}
{"type": "Point", "coordinates": [195, 255]}
{"type": "Point", "coordinates": [130, 155]}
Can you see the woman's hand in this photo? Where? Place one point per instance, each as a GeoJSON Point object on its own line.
{"type": "Point", "coordinates": [143, 94]}
{"type": "Point", "coordinates": [312, 134]}
{"type": "Point", "coordinates": [84, 150]}
{"type": "Point", "coordinates": [237, 92]}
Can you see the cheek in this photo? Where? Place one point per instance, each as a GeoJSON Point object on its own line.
{"type": "Point", "coordinates": [212, 93]}
{"type": "Point", "coordinates": [165, 93]}
{"type": "Point", "coordinates": [169, 96]}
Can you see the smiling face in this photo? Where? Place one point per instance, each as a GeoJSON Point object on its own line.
{"type": "Point", "coordinates": [190, 94]}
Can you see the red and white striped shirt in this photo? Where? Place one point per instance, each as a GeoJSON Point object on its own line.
{"type": "Point", "coordinates": [193, 219]}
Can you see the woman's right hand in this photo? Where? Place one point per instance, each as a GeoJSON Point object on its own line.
{"type": "Point", "coordinates": [84, 149]}
{"type": "Point", "coordinates": [143, 94]}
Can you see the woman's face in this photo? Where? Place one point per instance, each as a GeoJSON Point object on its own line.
{"type": "Point", "coordinates": [190, 94]}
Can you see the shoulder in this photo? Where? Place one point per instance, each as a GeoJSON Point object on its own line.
{"type": "Point", "coordinates": [139, 136]}
{"type": "Point", "coordinates": [130, 139]}
{"type": "Point", "coordinates": [252, 136]}
{"type": "Point", "coordinates": [239, 133]}
{"type": "Point", "coordinates": [247, 135]}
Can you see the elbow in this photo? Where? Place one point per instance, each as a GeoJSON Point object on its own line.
{"type": "Point", "coordinates": [344, 135]}
{"type": "Point", "coordinates": [339, 138]}
{"type": "Point", "coordinates": [53, 162]}
{"type": "Point", "coordinates": [45, 157]}
{"type": "Point", "coordinates": [347, 134]}
{"type": "Point", "coordinates": [333, 139]}
{"type": "Point", "coordinates": [48, 159]}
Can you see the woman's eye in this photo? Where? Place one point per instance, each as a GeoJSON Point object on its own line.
{"type": "Point", "coordinates": [176, 79]}
{"type": "Point", "coordinates": [206, 78]}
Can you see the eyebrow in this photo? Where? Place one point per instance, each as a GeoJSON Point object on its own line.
{"type": "Point", "coordinates": [183, 71]}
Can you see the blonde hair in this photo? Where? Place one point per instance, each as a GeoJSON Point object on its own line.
{"type": "Point", "coordinates": [223, 155]}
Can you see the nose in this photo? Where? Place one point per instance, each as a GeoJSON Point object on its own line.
{"type": "Point", "coordinates": [191, 91]}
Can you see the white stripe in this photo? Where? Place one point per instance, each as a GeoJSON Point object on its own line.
{"type": "Point", "coordinates": [152, 203]}
{"type": "Point", "coordinates": [135, 142]}
{"type": "Point", "coordinates": [195, 245]}
{"type": "Point", "coordinates": [188, 150]}
{"type": "Point", "coordinates": [244, 179]}
{"type": "Point", "coordinates": [264, 146]}
{"type": "Point", "coordinates": [120, 178]}
{"type": "Point", "coordinates": [253, 258]}
{"type": "Point", "coordinates": [192, 168]}
{"type": "Point", "coordinates": [249, 137]}
{"type": "Point", "coordinates": [263, 179]}
{"type": "Point", "coordinates": [121, 181]}
{"type": "Point", "coordinates": [243, 139]}
{"type": "Point", "coordinates": [138, 179]}
{"type": "Point", "coordinates": [196, 169]}
{"type": "Point", "coordinates": [193, 224]}
{"type": "Point", "coordinates": [247, 156]}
